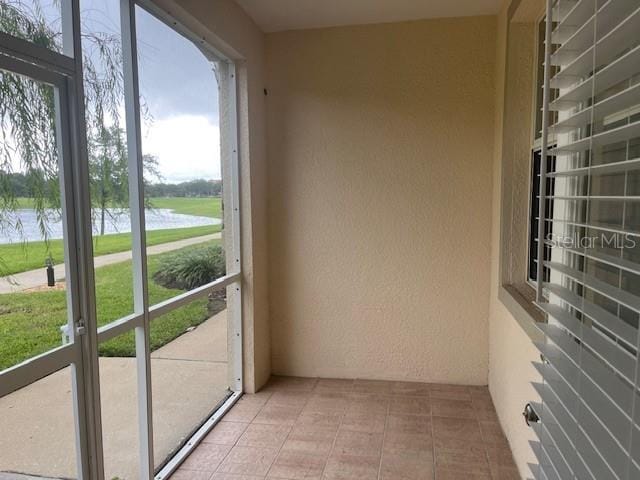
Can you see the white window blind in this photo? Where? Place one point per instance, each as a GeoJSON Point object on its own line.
{"type": "Point", "coordinates": [590, 402]}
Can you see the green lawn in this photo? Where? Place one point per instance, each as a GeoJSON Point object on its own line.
{"type": "Point", "coordinates": [16, 257]}
{"type": "Point", "coordinates": [201, 206]}
{"type": "Point", "coordinates": [29, 322]}
{"type": "Point", "coordinates": [204, 207]}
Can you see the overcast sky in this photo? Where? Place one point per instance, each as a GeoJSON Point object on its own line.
{"type": "Point", "coordinates": [177, 84]}
{"type": "Point", "coordinates": [180, 90]}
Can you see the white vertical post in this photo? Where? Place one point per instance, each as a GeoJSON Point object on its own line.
{"type": "Point", "coordinates": [236, 288]}
{"type": "Point", "coordinates": [543, 151]}
{"type": "Point", "coordinates": [68, 40]}
{"type": "Point", "coordinates": [79, 258]}
{"type": "Point", "coordinates": [138, 235]}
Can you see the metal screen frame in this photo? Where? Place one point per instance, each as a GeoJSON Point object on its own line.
{"type": "Point", "coordinates": [64, 72]}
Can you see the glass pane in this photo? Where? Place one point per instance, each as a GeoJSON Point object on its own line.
{"type": "Point", "coordinates": [119, 403]}
{"type": "Point", "coordinates": [108, 164]}
{"type": "Point", "coordinates": [33, 296]}
{"type": "Point", "coordinates": [37, 21]}
{"type": "Point", "coordinates": [181, 151]}
{"type": "Point", "coordinates": [190, 375]}
{"type": "Point", "coordinates": [38, 430]}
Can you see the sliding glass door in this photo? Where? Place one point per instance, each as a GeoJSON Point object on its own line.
{"type": "Point", "coordinates": [38, 306]}
{"type": "Point", "coordinates": [120, 281]}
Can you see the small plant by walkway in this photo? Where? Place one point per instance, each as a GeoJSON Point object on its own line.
{"type": "Point", "coordinates": [30, 321]}
{"type": "Point", "coordinates": [189, 269]}
{"type": "Point", "coordinates": [18, 257]}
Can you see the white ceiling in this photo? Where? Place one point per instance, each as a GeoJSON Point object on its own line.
{"type": "Point", "coordinates": [278, 15]}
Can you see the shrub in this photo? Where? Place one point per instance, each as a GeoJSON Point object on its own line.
{"type": "Point", "coordinates": [191, 268]}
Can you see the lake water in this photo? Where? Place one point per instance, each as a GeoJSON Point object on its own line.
{"type": "Point", "coordinates": [118, 222]}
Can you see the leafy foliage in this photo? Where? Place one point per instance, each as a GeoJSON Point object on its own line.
{"type": "Point", "coordinates": [193, 188]}
{"type": "Point", "coordinates": [27, 130]}
{"type": "Point", "coordinates": [109, 175]}
{"type": "Point", "coordinates": [27, 122]}
{"type": "Point", "coordinates": [192, 268]}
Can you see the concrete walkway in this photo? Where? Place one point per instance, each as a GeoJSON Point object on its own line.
{"type": "Point", "coordinates": [189, 378]}
{"type": "Point", "coordinates": [38, 278]}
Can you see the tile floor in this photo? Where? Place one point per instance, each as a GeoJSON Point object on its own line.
{"type": "Point", "coordinates": [324, 429]}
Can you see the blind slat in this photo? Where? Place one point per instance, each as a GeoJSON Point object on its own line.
{"type": "Point", "coordinates": [540, 451]}
{"type": "Point", "coordinates": [617, 358]}
{"type": "Point", "coordinates": [616, 294]}
{"type": "Point", "coordinates": [623, 67]}
{"type": "Point", "coordinates": [589, 393]}
{"type": "Point", "coordinates": [593, 399]}
{"type": "Point", "coordinates": [563, 429]}
{"type": "Point", "coordinates": [605, 259]}
{"type": "Point", "coordinates": [617, 393]}
{"type": "Point", "coordinates": [602, 317]}
{"type": "Point", "coordinates": [607, 168]}
{"type": "Point", "coordinates": [615, 135]}
{"type": "Point", "coordinates": [606, 50]}
{"type": "Point", "coordinates": [553, 445]}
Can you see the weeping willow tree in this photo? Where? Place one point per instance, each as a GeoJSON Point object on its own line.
{"type": "Point", "coordinates": [28, 131]}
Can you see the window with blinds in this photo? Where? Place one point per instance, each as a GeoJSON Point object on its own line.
{"type": "Point", "coordinates": [590, 403]}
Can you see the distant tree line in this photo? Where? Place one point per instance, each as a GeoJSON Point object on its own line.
{"type": "Point", "coordinates": [20, 183]}
{"type": "Point", "coordinates": [193, 188]}
{"type": "Point", "coordinates": [110, 175]}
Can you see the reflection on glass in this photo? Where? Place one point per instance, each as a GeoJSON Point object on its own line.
{"type": "Point", "coordinates": [38, 429]}
{"type": "Point", "coordinates": [189, 374]}
{"type": "Point", "coordinates": [37, 21]}
{"type": "Point", "coordinates": [33, 297]}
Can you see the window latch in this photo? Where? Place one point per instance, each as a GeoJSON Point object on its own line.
{"type": "Point", "coordinates": [80, 327]}
{"type": "Point", "coordinates": [530, 416]}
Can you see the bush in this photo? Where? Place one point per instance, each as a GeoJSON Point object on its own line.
{"type": "Point", "coordinates": [191, 268]}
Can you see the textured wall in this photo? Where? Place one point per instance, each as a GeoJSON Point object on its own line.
{"type": "Point", "coordinates": [511, 350]}
{"type": "Point", "coordinates": [226, 25]}
{"type": "Point", "coordinates": [380, 142]}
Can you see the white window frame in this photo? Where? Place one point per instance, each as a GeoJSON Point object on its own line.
{"type": "Point", "coordinates": [536, 142]}
{"type": "Point", "coordinates": [64, 72]}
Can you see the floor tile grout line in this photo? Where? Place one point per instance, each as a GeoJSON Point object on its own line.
{"type": "Point", "coordinates": [349, 393]}
{"type": "Point", "coordinates": [290, 430]}
{"type": "Point", "coordinates": [278, 452]}
{"type": "Point", "coordinates": [335, 439]}
{"type": "Point", "coordinates": [235, 444]}
{"type": "Point", "coordinates": [229, 452]}
{"type": "Point", "coordinates": [486, 451]}
{"type": "Point", "coordinates": [384, 436]}
{"type": "Point", "coordinates": [433, 438]}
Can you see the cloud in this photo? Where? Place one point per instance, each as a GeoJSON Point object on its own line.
{"type": "Point", "coordinates": [187, 147]}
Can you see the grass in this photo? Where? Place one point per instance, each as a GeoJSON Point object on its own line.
{"type": "Point", "coordinates": [20, 257]}
{"type": "Point", "coordinates": [30, 322]}
{"type": "Point", "coordinates": [203, 207]}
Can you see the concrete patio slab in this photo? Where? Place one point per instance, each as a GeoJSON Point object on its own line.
{"type": "Point", "coordinates": [207, 342]}
{"type": "Point", "coordinates": [189, 378]}
{"type": "Point", "coordinates": [19, 476]}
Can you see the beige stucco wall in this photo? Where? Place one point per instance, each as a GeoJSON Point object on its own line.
{"type": "Point", "coordinates": [511, 351]}
{"type": "Point", "coordinates": [380, 144]}
{"type": "Point", "coordinates": [224, 24]}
